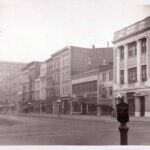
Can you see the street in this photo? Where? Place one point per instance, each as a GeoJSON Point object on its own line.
{"type": "Point", "coordinates": [19, 130]}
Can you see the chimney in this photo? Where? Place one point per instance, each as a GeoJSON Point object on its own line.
{"type": "Point", "coordinates": [104, 62]}
{"type": "Point", "coordinates": [107, 43]}
{"type": "Point", "coordinates": [93, 46]}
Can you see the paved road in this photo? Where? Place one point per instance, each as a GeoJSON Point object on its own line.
{"type": "Point", "coordinates": [18, 130]}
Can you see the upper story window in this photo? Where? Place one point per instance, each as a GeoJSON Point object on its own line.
{"type": "Point", "coordinates": [110, 91]}
{"type": "Point", "coordinates": [132, 49]}
{"type": "Point", "coordinates": [132, 75]}
{"type": "Point", "coordinates": [144, 73]}
{"type": "Point", "coordinates": [121, 52]}
{"type": "Point", "coordinates": [121, 76]}
{"type": "Point", "coordinates": [143, 45]}
{"type": "Point", "coordinates": [110, 75]}
{"type": "Point", "coordinates": [104, 76]}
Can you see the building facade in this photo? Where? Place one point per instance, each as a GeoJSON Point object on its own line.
{"type": "Point", "coordinates": [10, 82]}
{"type": "Point", "coordinates": [71, 61]}
{"type": "Point", "coordinates": [132, 66]}
{"type": "Point", "coordinates": [92, 91]}
{"type": "Point", "coordinates": [29, 74]}
{"type": "Point", "coordinates": [50, 98]}
{"type": "Point", "coordinates": [84, 92]}
{"type": "Point", "coordinates": [105, 88]}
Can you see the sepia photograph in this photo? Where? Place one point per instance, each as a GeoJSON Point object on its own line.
{"type": "Point", "coordinates": [75, 74]}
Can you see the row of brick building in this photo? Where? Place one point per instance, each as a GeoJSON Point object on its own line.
{"type": "Point", "coordinates": [10, 81]}
{"type": "Point", "coordinates": [86, 80]}
{"type": "Point", "coordinates": [70, 75]}
{"type": "Point", "coordinates": [78, 74]}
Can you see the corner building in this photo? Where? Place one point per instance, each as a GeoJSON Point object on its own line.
{"type": "Point", "coordinates": [132, 66]}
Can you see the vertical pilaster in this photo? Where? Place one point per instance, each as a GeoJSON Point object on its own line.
{"type": "Point", "coordinates": [126, 64]}
{"type": "Point", "coordinates": [87, 108]}
{"type": "Point", "coordinates": [138, 61]}
{"type": "Point", "coordinates": [114, 65]}
{"type": "Point", "coordinates": [148, 56]}
{"type": "Point", "coordinates": [137, 106]}
{"type": "Point", "coordinates": [61, 73]}
{"type": "Point", "coordinates": [98, 95]}
{"type": "Point", "coordinates": [71, 106]}
{"type": "Point", "coordinates": [118, 66]}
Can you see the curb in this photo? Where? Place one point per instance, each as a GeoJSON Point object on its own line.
{"type": "Point", "coordinates": [76, 117]}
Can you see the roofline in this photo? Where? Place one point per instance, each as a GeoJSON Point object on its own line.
{"type": "Point", "coordinates": [59, 51]}
{"type": "Point", "coordinates": [84, 73]}
{"type": "Point", "coordinates": [131, 25]}
{"type": "Point", "coordinates": [13, 62]}
{"type": "Point", "coordinates": [30, 64]}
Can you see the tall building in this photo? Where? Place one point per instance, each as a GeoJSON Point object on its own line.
{"type": "Point", "coordinates": [49, 87]}
{"type": "Point", "coordinates": [132, 66]}
{"type": "Point", "coordinates": [30, 73]}
{"type": "Point", "coordinates": [10, 82]}
{"type": "Point", "coordinates": [71, 61]}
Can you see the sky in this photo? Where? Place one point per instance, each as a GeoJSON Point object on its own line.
{"type": "Point", "coordinates": [34, 29]}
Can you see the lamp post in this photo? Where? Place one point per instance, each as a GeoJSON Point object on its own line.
{"type": "Point", "coordinates": [58, 108]}
{"type": "Point", "coordinates": [29, 103]}
{"type": "Point", "coordinates": [12, 107]}
{"type": "Point", "coordinates": [123, 118]}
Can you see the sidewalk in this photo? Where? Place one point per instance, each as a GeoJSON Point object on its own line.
{"type": "Point", "coordinates": [84, 117]}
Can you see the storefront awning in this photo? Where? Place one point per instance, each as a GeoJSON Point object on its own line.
{"type": "Point", "coordinates": [107, 102]}
{"type": "Point", "coordinates": [139, 94]}
{"type": "Point", "coordinates": [91, 100]}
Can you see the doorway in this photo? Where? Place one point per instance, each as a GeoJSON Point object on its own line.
{"type": "Point", "coordinates": [142, 106]}
{"type": "Point", "coordinates": [131, 103]}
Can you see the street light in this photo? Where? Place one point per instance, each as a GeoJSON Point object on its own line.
{"type": "Point", "coordinates": [29, 103]}
{"type": "Point", "coordinates": [58, 111]}
{"type": "Point", "coordinates": [123, 118]}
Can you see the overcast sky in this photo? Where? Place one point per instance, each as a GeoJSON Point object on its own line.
{"type": "Point", "coordinates": [34, 29]}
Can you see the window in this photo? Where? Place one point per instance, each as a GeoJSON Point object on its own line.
{"type": "Point", "coordinates": [132, 75]}
{"type": "Point", "coordinates": [132, 49]}
{"type": "Point", "coordinates": [104, 76]}
{"type": "Point", "coordinates": [121, 52]}
{"type": "Point", "coordinates": [144, 74]}
{"type": "Point", "coordinates": [122, 76]}
{"type": "Point", "coordinates": [94, 85]}
{"type": "Point", "coordinates": [110, 91]}
{"type": "Point", "coordinates": [103, 92]}
{"type": "Point", "coordinates": [64, 75]}
{"type": "Point", "coordinates": [88, 86]}
{"type": "Point", "coordinates": [84, 87]}
{"type": "Point", "coordinates": [143, 45]}
{"type": "Point", "coordinates": [110, 75]}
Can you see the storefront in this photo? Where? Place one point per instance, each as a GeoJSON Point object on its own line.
{"type": "Point", "coordinates": [65, 105]}
{"type": "Point", "coordinates": [138, 103]}
{"type": "Point", "coordinates": [49, 107]}
{"type": "Point", "coordinates": [106, 106]}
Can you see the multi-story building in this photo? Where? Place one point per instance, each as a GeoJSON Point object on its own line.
{"type": "Point", "coordinates": [132, 66]}
{"type": "Point", "coordinates": [37, 92]}
{"type": "Point", "coordinates": [84, 92]}
{"type": "Point", "coordinates": [29, 73]}
{"type": "Point", "coordinates": [49, 87]}
{"type": "Point", "coordinates": [10, 81]}
{"type": "Point", "coordinates": [92, 91]}
{"type": "Point", "coordinates": [70, 61]}
{"type": "Point", "coordinates": [105, 88]}
{"type": "Point", "coordinates": [43, 72]}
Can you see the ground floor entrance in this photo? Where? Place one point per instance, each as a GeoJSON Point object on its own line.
{"type": "Point", "coordinates": [142, 105]}
{"type": "Point", "coordinates": [138, 103]}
